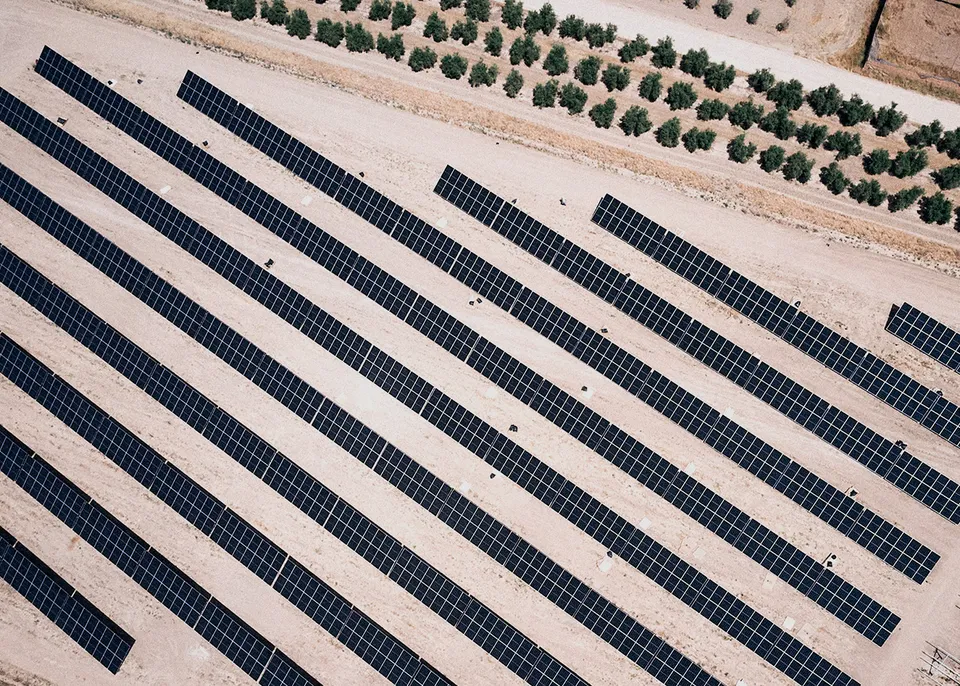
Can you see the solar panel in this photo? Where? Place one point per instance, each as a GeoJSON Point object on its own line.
{"type": "Point", "coordinates": [280, 223]}
{"type": "Point", "coordinates": [384, 552]}
{"type": "Point", "coordinates": [926, 334]}
{"type": "Point", "coordinates": [63, 605]}
{"type": "Point", "coordinates": [858, 365]}
{"type": "Point", "coordinates": [883, 456]}
{"type": "Point", "coordinates": [904, 556]}
{"type": "Point", "coordinates": [290, 578]}
{"type": "Point", "coordinates": [861, 525]}
{"type": "Point", "coordinates": [158, 576]}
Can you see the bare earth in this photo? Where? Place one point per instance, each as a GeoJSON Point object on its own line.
{"type": "Point", "coordinates": [819, 29]}
{"type": "Point", "coordinates": [846, 278]}
{"type": "Point", "coordinates": [922, 38]}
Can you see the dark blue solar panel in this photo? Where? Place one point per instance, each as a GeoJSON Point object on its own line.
{"type": "Point", "coordinates": [796, 328]}
{"type": "Point", "coordinates": [63, 605]}
{"type": "Point", "coordinates": [722, 355]}
{"type": "Point", "coordinates": [926, 334]}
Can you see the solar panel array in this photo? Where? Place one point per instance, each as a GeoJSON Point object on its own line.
{"type": "Point", "coordinates": [289, 577]}
{"type": "Point", "coordinates": [801, 571]}
{"type": "Point", "coordinates": [858, 365]}
{"type": "Point", "coordinates": [570, 594]}
{"type": "Point", "coordinates": [339, 518]}
{"type": "Point", "coordinates": [158, 576]}
{"type": "Point", "coordinates": [557, 584]}
{"type": "Point", "coordinates": [861, 525]}
{"type": "Point", "coordinates": [772, 557]}
{"type": "Point", "coordinates": [925, 334]}
{"type": "Point", "coordinates": [727, 611]}
{"type": "Point", "coordinates": [866, 446]}
{"type": "Point", "coordinates": [63, 605]}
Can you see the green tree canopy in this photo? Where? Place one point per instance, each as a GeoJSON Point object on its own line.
{"type": "Point", "coordinates": [664, 56]}
{"type": "Point", "coordinates": [825, 101]}
{"type": "Point", "coordinates": [555, 63]}
{"type": "Point", "coordinates": [329, 32]}
{"type": "Point", "coordinates": [603, 113]}
{"type": "Point", "coordinates": [422, 59]}
{"type": "Point", "coordinates": [483, 75]}
{"type": "Point", "coordinates": [436, 28]}
{"type": "Point", "coordinates": [298, 24]}
{"type": "Point", "coordinates": [587, 70]}
{"type": "Point", "coordinates": [524, 49]}
{"type": "Point", "coordinates": [512, 14]}
{"type": "Point", "coordinates": [635, 121]}
{"type": "Point", "coordinates": [877, 162]}
{"type": "Point", "coordinates": [573, 98]}
{"type": "Point", "coordinates": [650, 86]}
{"type": "Point", "coordinates": [761, 80]}
{"type": "Point", "coordinates": [453, 66]}
{"type": "Point", "coordinates": [694, 62]}
{"type": "Point", "coordinates": [797, 167]}
{"type": "Point", "coordinates": [615, 77]}
{"type": "Point", "coordinates": [680, 96]}
{"type": "Point", "coordinates": [545, 94]}
{"type": "Point", "coordinates": [739, 150]}
{"type": "Point", "coordinates": [358, 38]}
{"type": "Point", "coordinates": [668, 135]}
{"type": "Point", "coordinates": [513, 83]}
{"type": "Point", "coordinates": [772, 158]}
{"type": "Point", "coordinates": [493, 42]}
{"type": "Point", "coordinates": [464, 31]}
{"type": "Point", "coordinates": [745, 114]}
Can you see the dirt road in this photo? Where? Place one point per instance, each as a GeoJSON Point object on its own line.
{"type": "Point", "coordinates": [631, 19]}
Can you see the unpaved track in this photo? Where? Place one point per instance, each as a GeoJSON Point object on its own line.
{"type": "Point", "coordinates": [631, 19]}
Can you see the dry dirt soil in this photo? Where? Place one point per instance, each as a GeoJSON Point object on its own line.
{"type": "Point", "coordinates": [847, 269]}
{"type": "Point", "coordinates": [819, 29]}
{"type": "Point", "coordinates": [921, 40]}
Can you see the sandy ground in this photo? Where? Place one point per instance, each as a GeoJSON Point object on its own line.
{"type": "Point", "coordinates": [923, 35]}
{"type": "Point", "coordinates": [818, 29]}
{"type": "Point", "coordinates": [838, 282]}
{"type": "Point", "coordinates": [749, 55]}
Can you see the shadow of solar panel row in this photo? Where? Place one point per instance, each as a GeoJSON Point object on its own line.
{"type": "Point", "coordinates": [290, 578]}
{"type": "Point", "coordinates": [858, 365]}
{"type": "Point", "coordinates": [380, 287]}
{"type": "Point", "coordinates": [63, 605]}
{"type": "Point", "coordinates": [926, 334]}
{"type": "Point", "coordinates": [851, 518]}
{"type": "Point", "coordinates": [707, 598]}
{"type": "Point", "coordinates": [158, 576]}
{"type": "Point", "coordinates": [570, 594]}
{"type": "Point", "coordinates": [810, 411]}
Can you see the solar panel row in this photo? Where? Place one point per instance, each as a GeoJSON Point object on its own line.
{"type": "Point", "coordinates": [858, 365]}
{"type": "Point", "coordinates": [718, 605]}
{"type": "Point", "coordinates": [158, 576]}
{"type": "Point", "coordinates": [800, 570]}
{"type": "Point", "coordinates": [884, 457]}
{"type": "Point", "coordinates": [63, 605]}
{"type": "Point", "coordinates": [314, 230]}
{"type": "Point", "coordinates": [286, 575]}
{"type": "Point", "coordinates": [612, 624]}
{"type": "Point", "coordinates": [339, 518]}
{"type": "Point", "coordinates": [550, 579]}
{"type": "Point", "coordinates": [849, 517]}
{"type": "Point", "coordinates": [878, 536]}
{"type": "Point", "coordinates": [925, 334]}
